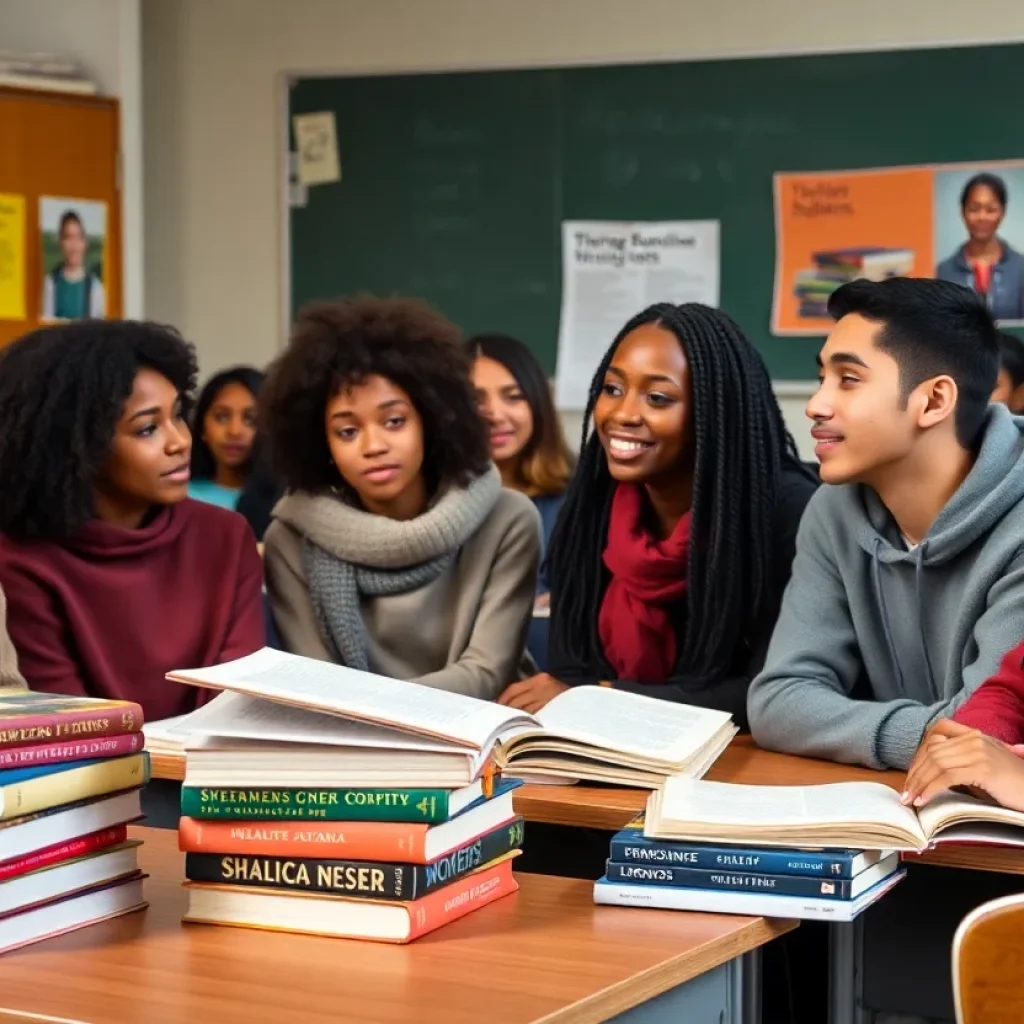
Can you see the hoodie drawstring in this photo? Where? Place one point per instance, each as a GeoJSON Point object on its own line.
{"type": "Point", "coordinates": [918, 566]}
{"type": "Point", "coordinates": [876, 579]}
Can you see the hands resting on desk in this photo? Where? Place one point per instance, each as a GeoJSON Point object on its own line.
{"type": "Point", "coordinates": [957, 755]}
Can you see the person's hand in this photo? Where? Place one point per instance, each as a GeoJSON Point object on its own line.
{"type": "Point", "coordinates": [532, 694]}
{"type": "Point", "coordinates": [542, 601]}
{"type": "Point", "coordinates": [956, 755]}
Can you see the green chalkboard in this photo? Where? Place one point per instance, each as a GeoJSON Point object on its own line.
{"type": "Point", "coordinates": [454, 185]}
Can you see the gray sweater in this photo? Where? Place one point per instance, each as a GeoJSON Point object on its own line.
{"type": "Point", "coordinates": [876, 642]}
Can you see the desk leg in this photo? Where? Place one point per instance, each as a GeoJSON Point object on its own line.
{"type": "Point", "coordinates": [746, 981]}
{"type": "Point", "coordinates": [846, 974]}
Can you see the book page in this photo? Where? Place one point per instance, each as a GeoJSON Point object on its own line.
{"type": "Point", "coordinates": [628, 723]}
{"type": "Point", "coordinates": [955, 808]}
{"type": "Point", "coordinates": [839, 803]}
{"type": "Point", "coordinates": [238, 716]}
{"type": "Point", "coordinates": [334, 689]}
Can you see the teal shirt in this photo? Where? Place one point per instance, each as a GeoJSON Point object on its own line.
{"type": "Point", "coordinates": [214, 494]}
{"type": "Point", "coordinates": [71, 298]}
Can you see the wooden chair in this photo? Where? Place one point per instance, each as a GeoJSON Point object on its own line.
{"type": "Point", "coordinates": [988, 963]}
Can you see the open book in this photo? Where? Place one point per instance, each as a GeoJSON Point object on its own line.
{"type": "Point", "coordinates": [842, 815]}
{"type": "Point", "coordinates": [586, 733]}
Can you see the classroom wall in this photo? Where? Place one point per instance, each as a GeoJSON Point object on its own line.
{"type": "Point", "coordinates": [105, 36]}
{"type": "Point", "coordinates": [213, 108]}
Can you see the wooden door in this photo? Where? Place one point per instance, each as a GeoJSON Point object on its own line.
{"type": "Point", "coordinates": [61, 146]}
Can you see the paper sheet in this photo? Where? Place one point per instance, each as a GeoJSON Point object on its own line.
{"type": "Point", "coordinates": [612, 270]}
{"type": "Point", "coordinates": [12, 257]}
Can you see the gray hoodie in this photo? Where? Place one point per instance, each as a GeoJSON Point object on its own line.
{"type": "Point", "coordinates": [874, 641]}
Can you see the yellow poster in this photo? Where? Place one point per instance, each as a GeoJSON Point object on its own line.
{"type": "Point", "coordinates": [12, 257]}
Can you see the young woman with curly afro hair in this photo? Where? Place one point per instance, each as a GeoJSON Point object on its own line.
{"type": "Point", "coordinates": [396, 549]}
{"type": "Point", "coordinates": [113, 577]}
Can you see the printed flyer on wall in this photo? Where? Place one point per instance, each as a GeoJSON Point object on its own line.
{"type": "Point", "coordinates": [612, 270]}
{"type": "Point", "coordinates": [834, 226]}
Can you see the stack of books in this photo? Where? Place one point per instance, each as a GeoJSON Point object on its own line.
{"type": "Point", "coordinates": [71, 769]}
{"type": "Point", "coordinates": [835, 267]}
{"type": "Point", "coordinates": [321, 799]}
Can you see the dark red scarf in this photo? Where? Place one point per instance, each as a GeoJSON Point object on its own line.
{"type": "Point", "coordinates": [648, 577]}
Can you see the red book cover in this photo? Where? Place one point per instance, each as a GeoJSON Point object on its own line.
{"type": "Point", "coordinates": [60, 852]}
{"type": "Point", "coordinates": [28, 719]}
{"type": "Point", "coordinates": [72, 750]}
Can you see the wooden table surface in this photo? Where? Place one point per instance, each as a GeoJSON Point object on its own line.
{"type": "Point", "coordinates": [546, 953]}
{"type": "Point", "coordinates": [743, 762]}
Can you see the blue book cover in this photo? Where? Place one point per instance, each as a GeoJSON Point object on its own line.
{"type": "Point", "coordinates": [746, 881]}
{"type": "Point", "coordinates": [631, 846]}
{"type": "Point", "coordinates": [13, 775]}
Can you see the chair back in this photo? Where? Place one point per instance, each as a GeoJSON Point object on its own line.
{"type": "Point", "coordinates": [988, 963]}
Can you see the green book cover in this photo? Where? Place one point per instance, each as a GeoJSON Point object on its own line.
{"type": "Point", "coordinates": [428, 806]}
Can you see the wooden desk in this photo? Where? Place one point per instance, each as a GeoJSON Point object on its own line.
{"type": "Point", "coordinates": [545, 954]}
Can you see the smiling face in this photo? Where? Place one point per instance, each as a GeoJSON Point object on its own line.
{"type": "Point", "coordinates": [375, 436]}
{"type": "Point", "coordinates": [862, 422]}
{"type": "Point", "coordinates": [148, 462]}
{"type": "Point", "coordinates": [642, 414]}
{"type": "Point", "coordinates": [983, 213]}
{"type": "Point", "coordinates": [229, 426]}
{"type": "Point", "coordinates": [504, 408]}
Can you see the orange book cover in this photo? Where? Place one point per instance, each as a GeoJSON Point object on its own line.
{"type": "Point", "coordinates": [348, 840]}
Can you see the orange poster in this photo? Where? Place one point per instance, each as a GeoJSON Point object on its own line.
{"type": "Point", "coordinates": [834, 226]}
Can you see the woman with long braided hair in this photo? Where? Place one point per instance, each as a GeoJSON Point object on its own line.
{"type": "Point", "coordinates": [677, 534]}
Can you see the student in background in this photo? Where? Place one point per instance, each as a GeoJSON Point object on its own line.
{"type": "Point", "coordinates": [675, 541]}
{"type": "Point", "coordinates": [112, 577]}
{"type": "Point", "coordinates": [986, 263]}
{"type": "Point", "coordinates": [1010, 383]}
{"type": "Point", "coordinates": [224, 432]}
{"type": "Point", "coordinates": [527, 443]}
{"type": "Point", "coordinates": [397, 550]}
{"type": "Point", "coordinates": [908, 583]}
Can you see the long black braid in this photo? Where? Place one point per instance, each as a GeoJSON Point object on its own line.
{"type": "Point", "coordinates": [740, 447]}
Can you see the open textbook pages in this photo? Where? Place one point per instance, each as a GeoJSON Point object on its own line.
{"type": "Point", "coordinates": [588, 732]}
{"type": "Point", "coordinates": [843, 815]}
{"type": "Point", "coordinates": [605, 735]}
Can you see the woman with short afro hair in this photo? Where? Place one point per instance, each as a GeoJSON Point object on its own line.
{"type": "Point", "coordinates": [396, 551]}
{"type": "Point", "coordinates": [113, 577]}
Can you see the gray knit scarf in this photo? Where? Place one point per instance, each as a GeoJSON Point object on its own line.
{"type": "Point", "coordinates": [348, 553]}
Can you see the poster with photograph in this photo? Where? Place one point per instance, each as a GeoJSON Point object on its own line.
{"type": "Point", "coordinates": [73, 235]}
{"type": "Point", "coordinates": [834, 226]}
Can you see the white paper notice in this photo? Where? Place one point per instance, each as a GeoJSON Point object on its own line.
{"type": "Point", "coordinates": [611, 270]}
{"type": "Point", "coordinates": [316, 147]}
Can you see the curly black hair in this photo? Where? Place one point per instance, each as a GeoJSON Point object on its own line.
{"type": "Point", "coordinates": [62, 392]}
{"type": "Point", "coordinates": [203, 465]}
{"type": "Point", "coordinates": [337, 344]}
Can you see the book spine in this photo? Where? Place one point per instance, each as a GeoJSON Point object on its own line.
{"type": "Point", "coordinates": [27, 730]}
{"type": "Point", "coordinates": [61, 852]}
{"type": "Point", "coordinates": [77, 750]}
{"type": "Point", "coordinates": [66, 787]}
{"type": "Point", "coordinates": [633, 847]}
{"type": "Point", "coordinates": [461, 898]}
{"type": "Point", "coordinates": [429, 806]}
{"type": "Point", "coordinates": [374, 880]}
{"type": "Point", "coordinates": [328, 840]}
{"type": "Point", "coordinates": [753, 904]}
{"type": "Point", "coordinates": [691, 878]}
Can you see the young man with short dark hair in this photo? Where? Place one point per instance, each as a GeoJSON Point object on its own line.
{"type": "Point", "coordinates": [908, 581]}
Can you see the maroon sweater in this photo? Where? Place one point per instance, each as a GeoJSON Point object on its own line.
{"type": "Point", "coordinates": [109, 611]}
{"type": "Point", "coordinates": [997, 706]}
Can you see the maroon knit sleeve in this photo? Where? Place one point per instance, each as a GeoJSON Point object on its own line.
{"type": "Point", "coordinates": [997, 706]}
